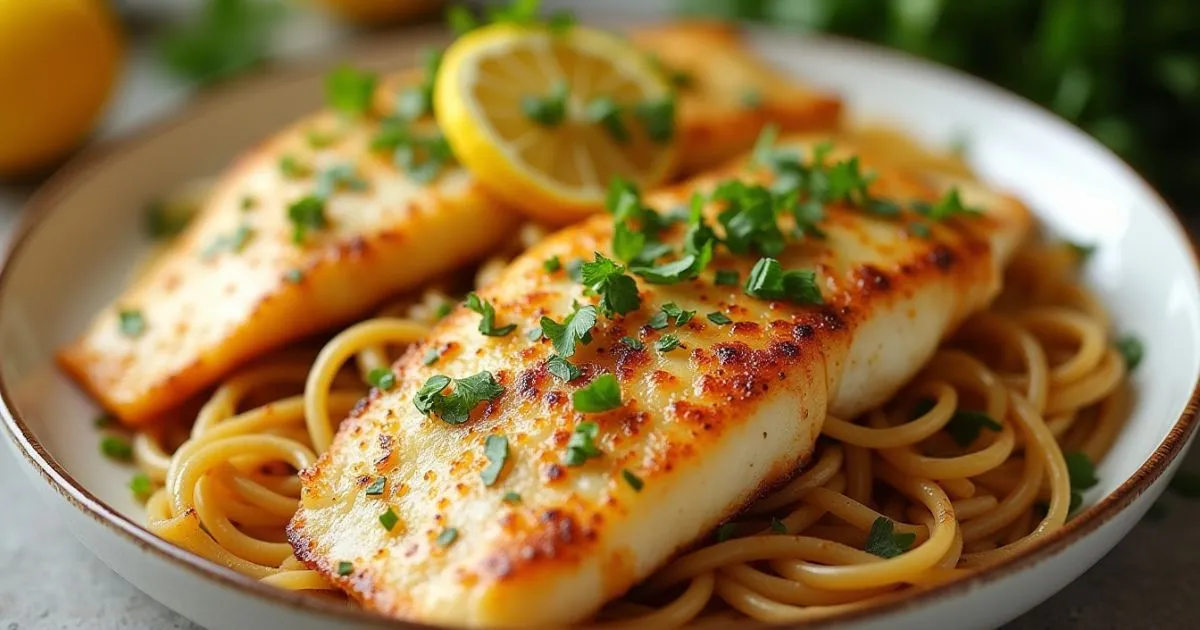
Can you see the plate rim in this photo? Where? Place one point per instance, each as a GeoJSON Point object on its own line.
{"type": "Point", "coordinates": [45, 199]}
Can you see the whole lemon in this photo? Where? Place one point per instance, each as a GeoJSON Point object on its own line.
{"type": "Point", "coordinates": [372, 12]}
{"type": "Point", "coordinates": [58, 63]}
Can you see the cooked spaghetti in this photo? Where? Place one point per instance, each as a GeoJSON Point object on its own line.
{"type": "Point", "coordinates": [965, 466]}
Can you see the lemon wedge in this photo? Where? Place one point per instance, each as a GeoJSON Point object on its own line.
{"type": "Point", "coordinates": [546, 120]}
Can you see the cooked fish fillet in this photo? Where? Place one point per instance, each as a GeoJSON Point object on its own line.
{"type": "Point", "coordinates": [707, 427]}
{"type": "Point", "coordinates": [235, 284]}
{"type": "Point", "coordinates": [727, 94]}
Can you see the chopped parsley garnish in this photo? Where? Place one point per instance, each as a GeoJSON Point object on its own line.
{"type": "Point", "coordinates": [234, 242]}
{"type": "Point", "coordinates": [575, 329]}
{"type": "Point", "coordinates": [416, 101]}
{"type": "Point", "coordinates": [562, 369]}
{"type": "Point", "coordinates": [751, 98]}
{"type": "Point", "coordinates": [338, 177]}
{"type": "Point", "coordinates": [377, 487]}
{"type": "Point", "coordinates": [884, 542]}
{"type": "Point", "coordinates": [658, 321]}
{"type": "Point", "coordinates": [777, 526]}
{"type": "Point", "coordinates": [727, 277]}
{"type": "Point", "coordinates": [575, 269]}
{"type": "Point", "coordinates": [431, 357]}
{"type": "Point", "coordinates": [582, 445]}
{"type": "Point", "coordinates": [389, 519]}
{"type": "Point", "coordinates": [1082, 251]}
{"type": "Point", "coordinates": [949, 206]}
{"type": "Point", "coordinates": [345, 568]}
{"type": "Point", "coordinates": [685, 268]}
{"type": "Point", "coordinates": [442, 311]}
{"type": "Point", "coordinates": [421, 156]}
{"type": "Point", "coordinates": [749, 218]}
{"type": "Point", "coordinates": [163, 221]}
{"type": "Point", "coordinates": [1082, 472]}
{"type": "Point", "coordinates": [633, 480]}
{"type": "Point", "coordinates": [104, 420]}
{"type": "Point", "coordinates": [461, 20]}
{"type": "Point", "coordinates": [632, 344]}
{"type": "Point", "coordinates": [667, 343]}
{"type": "Point", "coordinates": [455, 407]}
{"type": "Point", "coordinates": [447, 537]}
{"type": "Point", "coordinates": [495, 448]}
{"type": "Point", "coordinates": [511, 497]}
{"type": "Point", "coordinates": [1186, 484]}
{"type": "Point", "coordinates": [602, 394]}
{"type": "Point", "coordinates": [764, 153]}
{"type": "Point", "coordinates": [318, 139]}
{"type": "Point", "coordinates": [487, 322]}
{"type": "Point", "coordinates": [117, 448]}
{"type": "Point", "coordinates": [674, 312]}
{"type": "Point", "coordinates": [605, 112]}
{"type": "Point", "coordinates": [549, 110]}
{"type": "Point", "coordinates": [719, 319]}
{"type": "Point", "coordinates": [381, 378]}
{"type": "Point", "coordinates": [726, 532]}
{"type": "Point", "coordinates": [349, 90]}
{"type": "Point", "coordinates": [552, 264]}
{"type": "Point", "coordinates": [657, 118]}
{"type": "Point", "coordinates": [964, 426]}
{"type": "Point", "coordinates": [132, 323]}
{"type": "Point", "coordinates": [140, 486]}
{"type": "Point", "coordinates": [769, 281]}
{"type": "Point", "coordinates": [1131, 350]}
{"type": "Point", "coordinates": [306, 213]}
{"type": "Point", "coordinates": [292, 168]}
{"type": "Point", "coordinates": [919, 230]}
{"type": "Point", "coordinates": [534, 334]}
{"type": "Point", "coordinates": [618, 292]}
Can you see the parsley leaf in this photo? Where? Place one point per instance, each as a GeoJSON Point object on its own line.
{"type": "Point", "coordinates": [1131, 350]}
{"type": "Point", "coordinates": [577, 327]}
{"type": "Point", "coordinates": [563, 369]}
{"type": "Point", "coordinates": [549, 110]}
{"type": "Point", "coordinates": [727, 531]}
{"type": "Point", "coordinates": [389, 519]}
{"type": "Point", "coordinates": [883, 542]}
{"type": "Point", "coordinates": [292, 168]}
{"type": "Point", "coordinates": [749, 218]}
{"type": "Point", "coordinates": [777, 526]}
{"type": "Point", "coordinates": [949, 206]}
{"type": "Point", "coordinates": [378, 485]}
{"type": "Point", "coordinates": [657, 118]}
{"type": "Point", "coordinates": [141, 486]}
{"type": "Point", "coordinates": [349, 90]}
{"type": "Point", "coordinates": [667, 343]}
{"type": "Point", "coordinates": [132, 322]}
{"type": "Point", "coordinates": [495, 448]}
{"type": "Point", "coordinates": [680, 316]}
{"type": "Point", "coordinates": [605, 112]}
{"type": "Point", "coordinates": [633, 480]}
{"type": "Point", "coordinates": [431, 357]}
{"type": "Point", "coordinates": [234, 242]}
{"type": "Point", "coordinates": [727, 277]}
{"type": "Point", "coordinates": [306, 213]}
{"type": "Point", "coordinates": [117, 448]}
{"type": "Point", "coordinates": [381, 378]}
{"type": "Point", "coordinates": [632, 344]}
{"type": "Point", "coordinates": [447, 537]}
{"type": "Point", "coordinates": [602, 394]}
{"type": "Point", "coordinates": [228, 37]}
{"type": "Point", "coordinates": [768, 281]}
{"type": "Point", "coordinates": [511, 497]}
{"type": "Point", "coordinates": [455, 407]}
{"type": "Point", "coordinates": [719, 319]}
{"type": "Point", "coordinates": [1082, 251]}
{"type": "Point", "coordinates": [163, 220]}
{"type": "Point", "coordinates": [552, 264]}
{"type": "Point", "coordinates": [964, 426]}
{"type": "Point", "coordinates": [345, 568]}
{"type": "Point", "coordinates": [618, 292]}
{"type": "Point", "coordinates": [658, 321]}
{"type": "Point", "coordinates": [487, 322]}
{"type": "Point", "coordinates": [1082, 473]}
{"type": "Point", "coordinates": [337, 177]}
{"type": "Point", "coordinates": [582, 444]}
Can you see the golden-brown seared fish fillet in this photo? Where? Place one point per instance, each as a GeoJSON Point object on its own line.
{"type": "Point", "coordinates": [708, 426]}
{"type": "Point", "coordinates": [235, 284]}
{"type": "Point", "coordinates": [727, 94]}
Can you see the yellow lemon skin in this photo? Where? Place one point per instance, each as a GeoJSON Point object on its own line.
{"type": "Point", "coordinates": [509, 179]}
{"type": "Point", "coordinates": [59, 60]}
{"type": "Point", "coordinates": [372, 12]}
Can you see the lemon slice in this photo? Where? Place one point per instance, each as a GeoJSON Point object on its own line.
{"type": "Point", "coordinates": [546, 120]}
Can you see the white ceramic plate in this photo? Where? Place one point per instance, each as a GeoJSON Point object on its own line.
{"type": "Point", "coordinates": [81, 237]}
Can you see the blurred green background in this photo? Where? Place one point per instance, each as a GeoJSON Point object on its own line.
{"type": "Point", "coordinates": [1126, 71]}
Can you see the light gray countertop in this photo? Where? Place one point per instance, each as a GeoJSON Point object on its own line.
{"type": "Point", "coordinates": [51, 581]}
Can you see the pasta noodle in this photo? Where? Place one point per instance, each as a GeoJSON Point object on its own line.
{"type": "Point", "coordinates": [1039, 363]}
